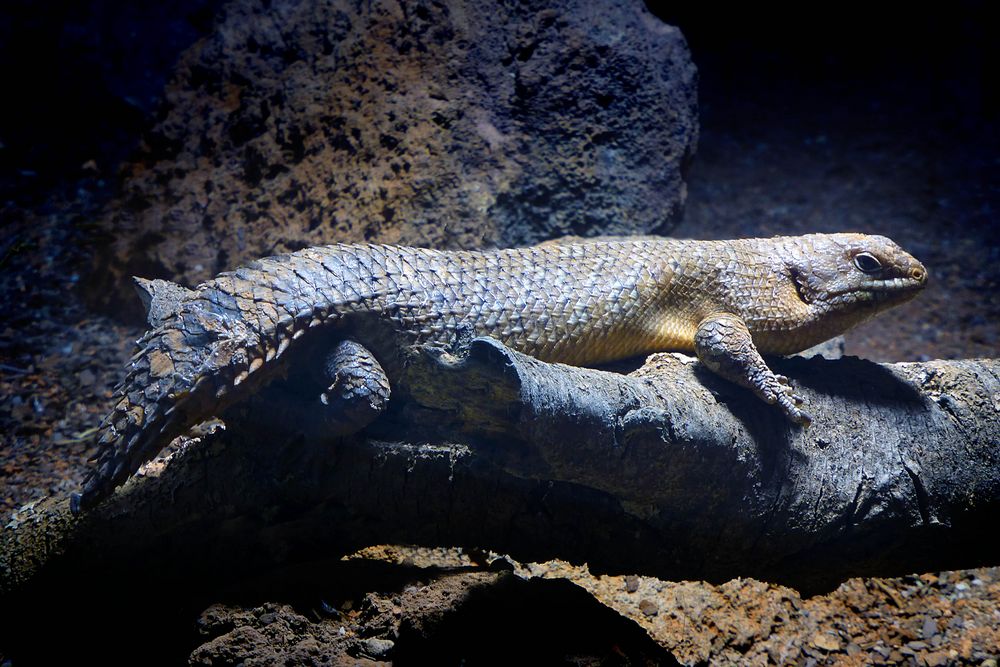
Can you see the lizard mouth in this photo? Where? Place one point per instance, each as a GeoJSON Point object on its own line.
{"type": "Point", "coordinates": [895, 290]}
{"type": "Point", "coordinates": [897, 284]}
{"type": "Point", "coordinates": [888, 289]}
{"type": "Point", "coordinates": [878, 290]}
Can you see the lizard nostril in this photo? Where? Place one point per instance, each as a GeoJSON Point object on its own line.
{"type": "Point", "coordinates": [918, 274]}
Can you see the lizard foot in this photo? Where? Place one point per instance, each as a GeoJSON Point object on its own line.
{"type": "Point", "coordinates": [359, 389]}
{"type": "Point", "coordinates": [724, 344]}
{"type": "Point", "coordinates": [783, 394]}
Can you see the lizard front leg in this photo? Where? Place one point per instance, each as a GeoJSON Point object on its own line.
{"type": "Point", "coordinates": [359, 389]}
{"type": "Point", "coordinates": [724, 344]}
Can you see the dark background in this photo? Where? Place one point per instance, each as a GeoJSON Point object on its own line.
{"type": "Point", "coordinates": [81, 79]}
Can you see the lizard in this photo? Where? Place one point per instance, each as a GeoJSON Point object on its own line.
{"type": "Point", "coordinates": [583, 303]}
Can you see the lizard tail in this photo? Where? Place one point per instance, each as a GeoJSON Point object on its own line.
{"type": "Point", "coordinates": [207, 346]}
{"type": "Point", "coordinates": [184, 370]}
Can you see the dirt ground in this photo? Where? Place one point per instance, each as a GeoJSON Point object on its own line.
{"type": "Point", "coordinates": [891, 152]}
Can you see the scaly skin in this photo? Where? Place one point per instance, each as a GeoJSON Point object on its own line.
{"type": "Point", "coordinates": [580, 303]}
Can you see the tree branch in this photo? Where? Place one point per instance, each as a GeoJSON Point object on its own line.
{"type": "Point", "coordinates": [668, 471]}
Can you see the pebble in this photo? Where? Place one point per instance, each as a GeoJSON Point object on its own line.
{"type": "Point", "coordinates": [826, 641]}
{"type": "Point", "coordinates": [936, 659]}
{"type": "Point", "coordinates": [376, 647]}
{"type": "Point", "coordinates": [648, 607]}
{"type": "Point", "coordinates": [631, 583]}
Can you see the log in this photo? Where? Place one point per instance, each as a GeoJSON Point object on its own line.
{"type": "Point", "coordinates": [667, 471]}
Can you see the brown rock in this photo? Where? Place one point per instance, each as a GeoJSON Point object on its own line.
{"type": "Point", "coordinates": [826, 641]}
{"type": "Point", "coordinates": [447, 124]}
{"type": "Point", "coordinates": [936, 659]}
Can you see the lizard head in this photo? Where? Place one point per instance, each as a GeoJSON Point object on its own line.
{"type": "Point", "coordinates": [854, 274]}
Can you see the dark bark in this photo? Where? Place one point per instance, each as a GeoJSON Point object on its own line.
{"type": "Point", "coordinates": [668, 471]}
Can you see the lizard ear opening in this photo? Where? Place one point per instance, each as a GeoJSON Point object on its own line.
{"type": "Point", "coordinates": [801, 285]}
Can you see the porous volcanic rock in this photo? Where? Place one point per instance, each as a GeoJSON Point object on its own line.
{"type": "Point", "coordinates": [444, 124]}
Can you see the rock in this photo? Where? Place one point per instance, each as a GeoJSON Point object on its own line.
{"type": "Point", "coordinates": [936, 659]}
{"type": "Point", "coordinates": [376, 647]}
{"type": "Point", "coordinates": [446, 124]}
{"type": "Point", "coordinates": [648, 607]}
{"type": "Point", "coordinates": [87, 377]}
{"type": "Point", "coordinates": [271, 634]}
{"type": "Point", "coordinates": [631, 583]}
{"type": "Point", "coordinates": [826, 642]}
{"type": "Point", "coordinates": [930, 627]}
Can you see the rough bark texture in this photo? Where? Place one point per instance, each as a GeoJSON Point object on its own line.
{"type": "Point", "coordinates": [453, 124]}
{"type": "Point", "coordinates": [667, 471]}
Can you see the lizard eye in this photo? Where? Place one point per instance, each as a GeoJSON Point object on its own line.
{"type": "Point", "coordinates": [867, 262]}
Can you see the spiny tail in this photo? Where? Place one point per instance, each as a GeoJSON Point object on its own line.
{"type": "Point", "coordinates": [169, 384]}
{"type": "Point", "coordinates": [210, 341]}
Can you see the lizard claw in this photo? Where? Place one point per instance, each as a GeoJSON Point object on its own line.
{"type": "Point", "coordinates": [789, 402]}
{"type": "Point", "coordinates": [803, 418]}
{"type": "Point", "coordinates": [790, 405]}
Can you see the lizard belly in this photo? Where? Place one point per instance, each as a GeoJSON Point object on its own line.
{"type": "Point", "coordinates": [675, 334]}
